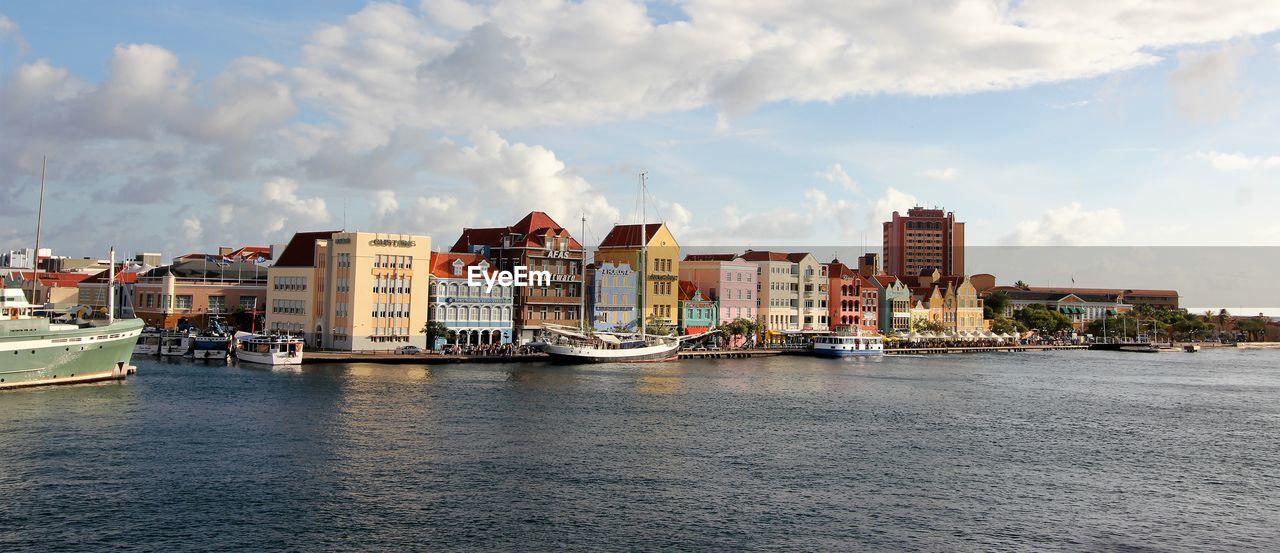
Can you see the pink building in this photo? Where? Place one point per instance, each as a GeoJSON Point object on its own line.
{"type": "Point", "coordinates": [727, 279]}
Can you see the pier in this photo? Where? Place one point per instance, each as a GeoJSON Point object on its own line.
{"type": "Point", "coordinates": [735, 353]}
{"type": "Point", "coordinates": [979, 349]}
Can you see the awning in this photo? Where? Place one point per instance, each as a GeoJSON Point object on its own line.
{"type": "Point", "coordinates": [696, 330]}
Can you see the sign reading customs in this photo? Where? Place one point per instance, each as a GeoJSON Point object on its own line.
{"type": "Point", "coordinates": [392, 243]}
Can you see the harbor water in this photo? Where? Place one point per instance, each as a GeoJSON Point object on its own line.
{"type": "Point", "coordinates": [1076, 451]}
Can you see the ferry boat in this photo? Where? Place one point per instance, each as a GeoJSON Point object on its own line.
{"type": "Point", "coordinates": [148, 342]}
{"type": "Point", "coordinates": [848, 345]}
{"type": "Point", "coordinates": [273, 349]}
{"type": "Point", "coordinates": [35, 351]}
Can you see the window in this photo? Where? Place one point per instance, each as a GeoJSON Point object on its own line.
{"type": "Point", "coordinates": [247, 302]}
{"type": "Point", "coordinates": [217, 303]}
{"type": "Point", "coordinates": [150, 299]}
{"type": "Point", "coordinates": [183, 302]}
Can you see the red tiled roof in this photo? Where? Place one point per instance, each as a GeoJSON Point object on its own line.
{"type": "Point", "coordinates": [442, 263]}
{"type": "Point", "coordinates": [797, 256]}
{"type": "Point", "coordinates": [711, 257]}
{"type": "Point", "coordinates": [59, 280]}
{"type": "Point", "coordinates": [687, 289]}
{"type": "Point", "coordinates": [129, 277]}
{"type": "Point", "coordinates": [301, 251]}
{"type": "Point", "coordinates": [753, 255]}
{"type": "Point", "coordinates": [1125, 291]}
{"type": "Point", "coordinates": [532, 228]}
{"type": "Point", "coordinates": [836, 269]}
{"type": "Point", "coordinates": [886, 280]}
{"type": "Point", "coordinates": [628, 236]}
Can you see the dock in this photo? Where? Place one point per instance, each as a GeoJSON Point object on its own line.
{"type": "Point", "coordinates": [979, 349]}
{"type": "Point", "coordinates": [735, 353]}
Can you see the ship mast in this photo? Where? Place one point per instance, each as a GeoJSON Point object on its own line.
{"type": "Point", "coordinates": [582, 269]}
{"type": "Point", "coordinates": [35, 256]}
{"type": "Point", "coordinates": [644, 257]}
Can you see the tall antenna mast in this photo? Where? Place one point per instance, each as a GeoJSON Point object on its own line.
{"type": "Point", "coordinates": [35, 256]}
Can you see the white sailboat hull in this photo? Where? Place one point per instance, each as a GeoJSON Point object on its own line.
{"type": "Point", "coordinates": [272, 358]}
{"type": "Point", "coordinates": [574, 353]}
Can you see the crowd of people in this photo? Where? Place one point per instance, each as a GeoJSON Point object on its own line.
{"type": "Point", "coordinates": [491, 350]}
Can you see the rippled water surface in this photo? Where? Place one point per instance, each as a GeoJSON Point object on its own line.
{"type": "Point", "coordinates": [1033, 451]}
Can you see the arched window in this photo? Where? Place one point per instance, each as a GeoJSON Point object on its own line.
{"type": "Point", "coordinates": [453, 313]}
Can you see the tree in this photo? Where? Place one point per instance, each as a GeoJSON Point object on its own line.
{"type": "Point", "coordinates": [657, 326]}
{"type": "Point", "coordinates": [926, 325]}
{"type": "Point", "coordinates": [1254, 328]}
{"type": "Point", "coordinates": [1043, 319]}
{"type": "Point", "coordinates": [998, 301]}
{"type": "Point", "coordinates": [1004, 325]}
{"type": "Point", "coordinates": [1223, 317]}
{"type": "Point", "coordinates": [1022, 285]}
{"type": "Point", "coordinates": [433, 330]}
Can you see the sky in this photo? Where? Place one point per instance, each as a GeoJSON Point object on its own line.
{"type": "Point", "coordinates": [176, 127]}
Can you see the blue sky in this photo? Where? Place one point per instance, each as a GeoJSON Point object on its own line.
{"type": "Point", "coordinates": [206, 124]}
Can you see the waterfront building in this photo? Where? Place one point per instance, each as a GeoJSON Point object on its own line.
{"type": "Point", "coordinates": [697, 313]}
{"type": "Point", "coordinates": [538, 243]}
{"type": "Point", "coordinates": [613, 297]}
{"type": "Point", "coordinates": [895, 304]}
{"type": "Point", "coordinates": [853, 302]}
{"type": "Point", "coordinates": [476, 315]}
{"type": "Point", "coordinates": [352, 290]}
{"type": "Point", "coordinates": [1159, 299]}
{"type": "Point", "coordinates": [792, 293]}
{"type": "Point", "coordinates": [375, 291]}
{"type": "Point", "coordinates": [919, 313]}
{"type": "Point", "coordinates": [1082, 308]}
{"type": "Point", "coordinates": [58, 291]}
{"type": "Point", "coordinates": [296, 290]}
{"type": "Point", "coordinates": [967, 307]}
{"type": "Point", "coordinates": [196, 291]}
{"type": "Point", "coordinates": [661, 268]}
{"type": "Point", "coordinates": [923, 239]}
{"type": "Point", "coordinates": [727, 279]}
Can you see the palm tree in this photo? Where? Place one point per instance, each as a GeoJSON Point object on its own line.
{"type": "Point", "coordinates": [1223, 317]}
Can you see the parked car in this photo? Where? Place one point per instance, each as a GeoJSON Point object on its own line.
{"type": "Point", "coordinates": [408, 350]}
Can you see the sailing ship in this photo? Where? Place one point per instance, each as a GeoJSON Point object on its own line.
{"type": "Point", "coordinates": [568, 345]}
{"type": "Point", "coordinates": [37, 351]}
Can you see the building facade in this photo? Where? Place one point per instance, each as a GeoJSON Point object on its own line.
{"type": "Point", "coordinates": [895, 304]}
{"type": "Point", "coordinates": [376, 291]}
{"type": "Point", "coordinates": [1082, 308]}
{"type": "Point", "coordinates": [853, 303]}
{"type": "Point", "coordinates": [661, 267]}
{"type": "Point", "coordinates": [726, 279]}
{"type": "Point", "coordinates": [613, 297]}
{"type": "Point", "coordinates": [536, 242]}
{"type": "Point", "coordinates": [697, 313]}
{"type": "Point", "coordinates": [476, 315]}
{"type": "Point", "coordinates": [923, 239]}
{"type": "Point", "coordinates": [792, 292]}
{"type": "Point", "coordinates": [296, 288]}
{"type": "Point", "coordinates": [195, 291]}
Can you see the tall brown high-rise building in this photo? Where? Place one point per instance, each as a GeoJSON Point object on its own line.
{"type": "Point", "coordinates": [925, 239]}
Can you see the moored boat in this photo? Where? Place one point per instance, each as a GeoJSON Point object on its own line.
{"type": "Point", "coordinates": [574, 347]}
{"type": "Point", "coordinates": [174, 343]}
{"type": "Point", "coordinates": [213, 343]}
{"type": "Point", "coordinates": [269, 349]}
{"type": "Point", "coordinates": [35, 351]}
{"type": "Point", "coordinates": [148, 342]}
{"type": "Point", "coordinates": [848, 345]}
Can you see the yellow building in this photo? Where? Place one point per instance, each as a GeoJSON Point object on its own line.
{"type": "Point", "coordinates": [968, 309]}
{"type": "Point", "coordinates": [661, 274]}
{"type": "Point", "coordinates": [351, 290]}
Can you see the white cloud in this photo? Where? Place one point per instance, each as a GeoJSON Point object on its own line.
{"type": "Point", "coordinates": [1238, 161]}
{"type": "Point", "coordinates": [280, 197]}
{"type": "Point", "coordinates": [9, 30]}
{"type": "Point", "coordinates": [1204, 83]}
{"type": "Point", "coordinates": [566, 63]}
{"type": "Point", "coordinates": [1070, 225]}
{"type": "Point", "coordinates": [835, 174]}
{"type": "Point", "coordinates": [892, 200]}
{"type": "Point", "coordinates": [940, 174]}
{"type": "Point", "coordinates": [192, 229]}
